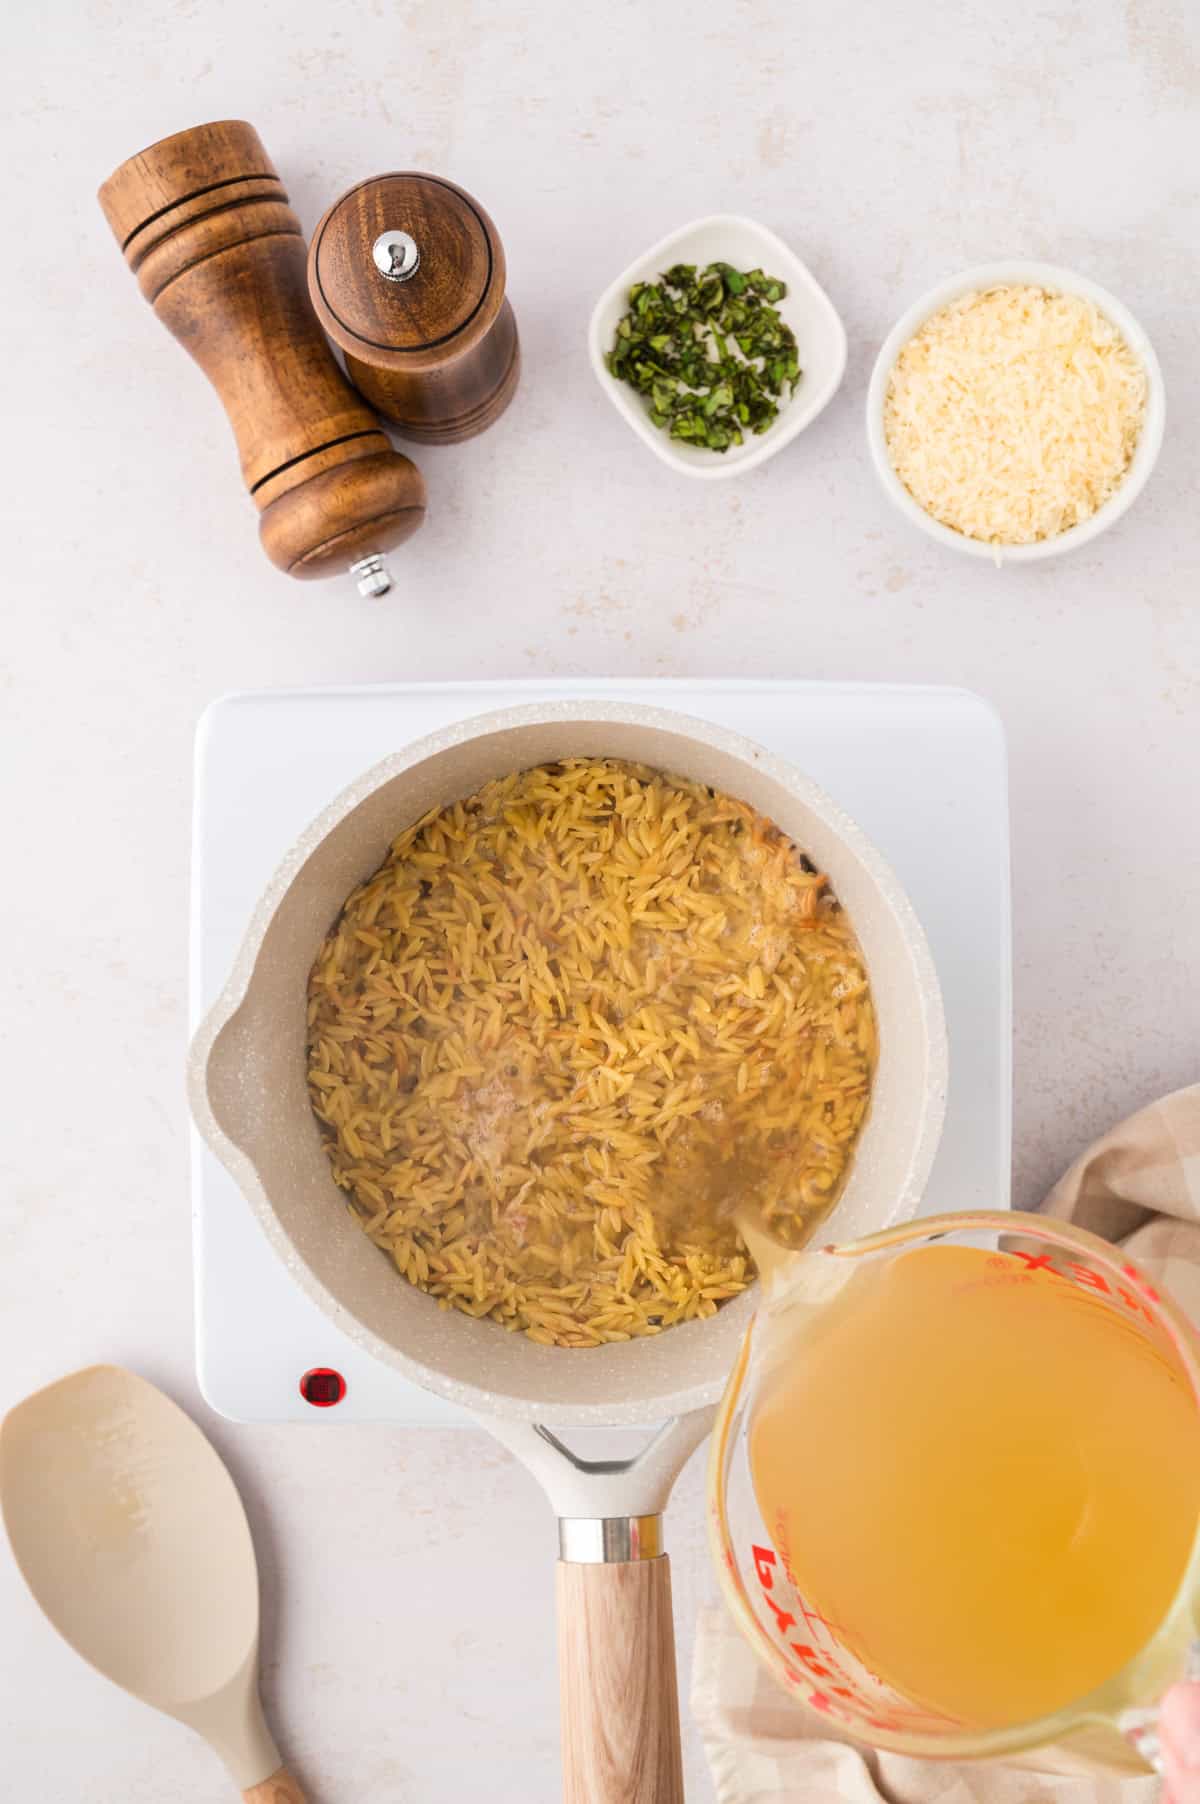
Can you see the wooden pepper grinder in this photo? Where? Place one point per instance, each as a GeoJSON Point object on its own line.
{"type": "Point", "coordinates": [406, 273]}
{"type": "Point", "coordinates": [204, 223]}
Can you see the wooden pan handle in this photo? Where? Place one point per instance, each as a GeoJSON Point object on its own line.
{"type": "Point", "coordinates": [618, 1690]}
{"type": "Point", "coordinates": [280, 1788]}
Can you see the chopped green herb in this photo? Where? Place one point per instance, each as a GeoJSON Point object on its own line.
{"type": "Point", "coordinates": [709, 351]}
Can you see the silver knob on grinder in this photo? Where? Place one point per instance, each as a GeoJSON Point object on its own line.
{"type": "Point", "coordinates": [396, 256]}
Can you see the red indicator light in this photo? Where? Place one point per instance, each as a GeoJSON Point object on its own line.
{"type": "Point", "coordinates": [322, 1387]}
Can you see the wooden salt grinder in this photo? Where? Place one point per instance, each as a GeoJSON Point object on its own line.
{"type": "Point", "coordinates": [406, 273]}
{"type": "Point", "coordinates": [204, 222]}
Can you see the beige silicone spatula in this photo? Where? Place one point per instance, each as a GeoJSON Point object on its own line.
{"type": "Point", "coordinates": [133, 1539]}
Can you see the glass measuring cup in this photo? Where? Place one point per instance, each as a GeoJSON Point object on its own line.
{"type": "Point", "coordinates": [1112, 1726]}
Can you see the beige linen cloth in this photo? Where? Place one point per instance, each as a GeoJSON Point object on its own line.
{"type": "Point", "coordinates": [1139, 1185]}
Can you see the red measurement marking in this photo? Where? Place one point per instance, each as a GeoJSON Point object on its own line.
{"type": "Point", "coordinates": [812, 1661]}
{"type": "Point", "coordinates": [764, 1559]}
{"type": "Point", "coordinates": [784, 1619]}
{"type": "Point", "coordinates": [812, 1616]}
{"type": "Point", "coordinates": [1089, 1279]}
{"type": "Point", "coordinates": [823, 1663]}
{"type": "Point", "coordinates": [831, 1669]}
{"type": "Point", "coordinates": [1084, 1278]}
{"type": "Point", "coordinates": [1037, 1262]}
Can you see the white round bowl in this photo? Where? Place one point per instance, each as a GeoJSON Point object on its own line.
{"type": "Point", "coordinates": [1011, 274]}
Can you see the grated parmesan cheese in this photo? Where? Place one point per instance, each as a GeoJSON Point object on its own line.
{"type": "Point", "coordinates": [1013, 414]}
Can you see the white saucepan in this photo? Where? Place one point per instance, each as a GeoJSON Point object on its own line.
{"type": "Point", "coordinates": [247, 1077]}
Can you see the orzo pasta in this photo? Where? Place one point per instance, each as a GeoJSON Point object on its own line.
{"type": "Point", "coordinates": [566, 1026]}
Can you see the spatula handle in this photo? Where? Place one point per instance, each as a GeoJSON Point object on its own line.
{"type": "Point", "coordinates": [280, 1788]}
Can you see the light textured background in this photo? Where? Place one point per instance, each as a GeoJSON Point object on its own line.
{"type": "Point", "coordinates": [408, 1580]}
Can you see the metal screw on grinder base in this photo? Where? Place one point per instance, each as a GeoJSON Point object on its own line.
{"type": "Point", "coordinates": [372, 574]}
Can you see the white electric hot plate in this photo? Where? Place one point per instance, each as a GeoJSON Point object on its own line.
{"type": "Point", "coordinates": [923, 770]}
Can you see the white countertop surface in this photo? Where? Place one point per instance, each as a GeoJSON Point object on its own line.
{"type": "Point", "coordinates": [408, 1578]}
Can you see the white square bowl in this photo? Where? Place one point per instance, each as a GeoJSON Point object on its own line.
{"type": "Point", "coordinates": [820, 340]}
